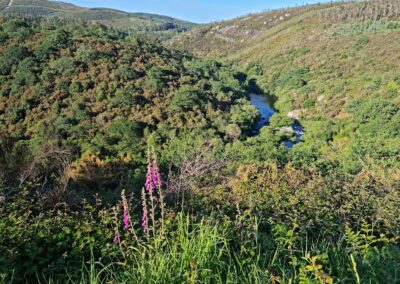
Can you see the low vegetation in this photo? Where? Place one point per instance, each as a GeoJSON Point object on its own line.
{"type": "Point", "coordinates": [125, 161]}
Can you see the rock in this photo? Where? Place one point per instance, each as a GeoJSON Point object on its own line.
{"type": "Point", "coordinates": [285, 129]}
{"type": "Point", "coordinates": [294, 114]}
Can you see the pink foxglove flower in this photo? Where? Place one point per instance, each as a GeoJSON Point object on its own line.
{"type": "Point", "coordinates": [145, 217]}
{"type": "Point", "coordinates": [155, 175]}
{"type": "Point", "coordinates": [116, 237]}
{"type": "Point", "coordinates": [116, 233]}
{"type": "Point", "coordinates": [150, 185]}
{"type": "Point", "coordinates": [126, 217]}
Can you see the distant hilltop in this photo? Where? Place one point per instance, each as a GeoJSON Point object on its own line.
{"type": "Point", "coordinates": [162, 26]}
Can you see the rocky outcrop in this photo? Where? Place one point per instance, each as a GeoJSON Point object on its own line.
{"type": "Point", "coordinates": [295, 114]}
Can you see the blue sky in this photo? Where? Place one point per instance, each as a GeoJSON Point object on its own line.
{"type": "Point", "coordinates": [200, 11]}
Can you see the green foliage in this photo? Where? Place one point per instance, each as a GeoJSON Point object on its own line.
{"type": "Point", "coordinates": [86, 53]}
{"type": "Point", "coordinates": [244, 116]}
{"type": "Point", "coordinates": [257, 149]}
{"type": "Point", "coordinates": [25, 74]}
{"type": "Point", "coordinates": [97, 95]}
{"type": "Point", "coordinates": [64, 66]}
{"type": "Point", "coordinates": [81, 104]}
{"type": "Point", "coordinates": [64, 245]}
{"type": "Point", "coordinates": [376, 134]}
{"type": "Point", "coordinates": [294, 78]}
{"type": "Point", "coordinates": [49, 242]}
{"type": "Point", "coordinates": [154, 80]}
{"type": "Point", "coordinates": [121, 137]}
{"type": "Point", "coordinates": [54, 41]}
{"type": "Point", "coordinates": [361, 42]}
{"type": "Point", "coordinates": [150, 25]}
{"type": "Point", "coordinates": [367, 26]}
{"type": "Point", "coordinates": [185, 98]}
{"type": "Point", "coordinates": [12, 55]}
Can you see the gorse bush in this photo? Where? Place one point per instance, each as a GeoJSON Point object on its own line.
{"type": "Point", "coordinates": [146, 242]}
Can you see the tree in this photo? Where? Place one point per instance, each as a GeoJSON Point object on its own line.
{"type": "Point", "coordinates": [154, 80]}
{"type": "Point", "coordinates": [233, 131]}
{"type": "Point", "coordinates": [11, 57]}
{"type": "Point", "coordinates": [127, 73]}
{"type": "Point", "coordinates": [64, 66]}
{"type": "Point", "coordinates": [244, 115]}
{"type": "Point", "coordinates": [54, 41]}
{"type": "Point", "coordinates": [86, 54]}
{"type": "Point", "coordinates": [25, 74]}
{"type": "Point", "coordinates": [120, 137]}
{"type": "Point", "coordinates": [185, 98]}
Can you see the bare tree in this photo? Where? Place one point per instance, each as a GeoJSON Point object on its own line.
{"type": "Point", "coordinates": [200, 168]}
{"type": "Point", "coordinates": [48, 159]}
{"type": "Point", "coordinates": [50, 162]}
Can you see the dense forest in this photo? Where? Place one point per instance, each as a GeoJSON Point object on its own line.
{"type": "Point", "coordinates": [150, 25]}
{"type": "Point", "coordinates": [124, 159]}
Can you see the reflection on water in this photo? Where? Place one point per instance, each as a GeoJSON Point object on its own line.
{"type": "Point", "coordinates": [266, 111]}
{"type": "Point", "coordinates": [264, 107]}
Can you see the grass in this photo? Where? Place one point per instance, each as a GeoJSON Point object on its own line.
{"type": "Point", "coordinates": [205, 252]}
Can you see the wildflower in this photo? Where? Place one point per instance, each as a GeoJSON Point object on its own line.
{"type": "Point", "coordinates": [116, 233]}
{"type": "Point", "coordinates": [155, 174]}
{"type": "Point", "coordinates": [116, 237]}
{"type": "Point", "coordinates": [126, 210]}
{"type": "Point", "coordinates": [150, 184]}
{"type": "Point", "coordinates": [145, 217]}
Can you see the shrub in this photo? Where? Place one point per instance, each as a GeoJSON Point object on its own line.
{"type": "Point", "coordinates": [361, 42]}
{"type": "Point", "coordinates": [12, 55]}
{"type": "Point", "coordinates": [185, 98]}
{"type": "Point", "coordinates": [154, 80]}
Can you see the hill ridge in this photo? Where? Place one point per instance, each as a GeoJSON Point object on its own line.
{"type": "Point", "coordinates": [161, 26]}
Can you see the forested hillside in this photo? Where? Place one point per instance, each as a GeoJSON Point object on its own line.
{"type": "Point", "coordinates": [124, 160]}
{"type": "Point", "coordinates": [94, 92]}
{"type": "Point", "coordinates": [329, 65]}
{"type": "Point", "coordinates": [161, 27]}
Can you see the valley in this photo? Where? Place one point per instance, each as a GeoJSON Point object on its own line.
{"type": "Point", "coordinates": [266, 112]}
{"type": "Point", "coordinates": [140, 148]}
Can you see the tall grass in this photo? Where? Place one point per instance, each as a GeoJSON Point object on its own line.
{"type": "Point", "coordinates": [206, 252]}
{"type": "Point", "coordinates": [189, 253]}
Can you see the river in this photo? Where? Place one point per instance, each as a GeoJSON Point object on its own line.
{"type": "Point", "coordinates": [267, 111]}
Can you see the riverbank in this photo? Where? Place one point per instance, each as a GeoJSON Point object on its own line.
{"type": "Point", "coordinates": [266, 112]}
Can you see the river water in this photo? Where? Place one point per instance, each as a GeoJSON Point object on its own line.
{"type": "Point", "coordinates": [267, 111]}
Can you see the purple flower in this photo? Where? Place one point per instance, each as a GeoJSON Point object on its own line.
{"type": "Point", "coordinates": [116, 234]}
{"type": "Point", "coordinates": [155, 175]}
{"type": "Point", "coordinates": [150, 184]}
{"type": "Point", "coordinates": [116, 237]}
{"type": "Point", "coordinates": [145, 217]}
{"type": "Point", "coordinates": [145, 221]}
{"type": "Point", "coordinates": [126, 218]}
{"type": "Point", "coordinates": [126, 211]}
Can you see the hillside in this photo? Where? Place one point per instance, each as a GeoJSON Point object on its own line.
{"type": "Point", "coordinates": [319, 63]}
{"type": "Point", "coordinates": [161, 26]}
{"type": "Point", "coordinates": [268, 151]}
{"type": "Point", "coordinates": [78, 84]}
{"type": "Point", "coordinates": [221, 39]}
